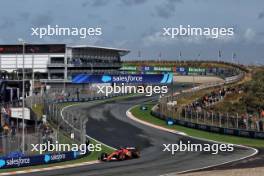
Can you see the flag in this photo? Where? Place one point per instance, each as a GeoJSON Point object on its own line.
{"type": "Point", "coordinates": [160, 55]}
{"type": "Point", "coordinates": [219, 54]}
{"type": "Point", "coordinates": [234, 55]}
{"type": "Point", "coordinates": [139, 53]}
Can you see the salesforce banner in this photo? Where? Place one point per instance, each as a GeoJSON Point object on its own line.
{"type": "Point", "coordinates": [24, 161]}
{"type": "Point", "coordinates": [126, 78]}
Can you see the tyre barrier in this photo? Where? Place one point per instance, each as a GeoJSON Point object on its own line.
{"type": "Point", "coordinates": [214, 129]}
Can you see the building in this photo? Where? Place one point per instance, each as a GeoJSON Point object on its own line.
{"type": "Point", "coordinates": [57, 62]}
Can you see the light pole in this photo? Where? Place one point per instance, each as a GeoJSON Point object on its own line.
{"type": "Point", "coordinates": [23, 96]}
{"type": "Point", "coordinates": [33, 78]}
{"type": "Point", "coordinates": [33, 74]}
{"type": "Point", "coordinates": [91, 66]}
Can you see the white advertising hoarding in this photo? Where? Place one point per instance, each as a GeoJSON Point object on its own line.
{"type": "Point", "coordinates": [17, 113]}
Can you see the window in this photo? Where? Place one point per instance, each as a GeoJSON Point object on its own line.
{"type": "Point", "coordinates": [57, 60]}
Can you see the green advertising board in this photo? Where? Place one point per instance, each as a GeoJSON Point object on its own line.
{"type": "Point", "coordinates": [128, 68]}
{"type": "Point", "coordinates": [196, 70]}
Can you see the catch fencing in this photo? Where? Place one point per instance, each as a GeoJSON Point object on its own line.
{"type": "Point", "coordinates": [200, 118]}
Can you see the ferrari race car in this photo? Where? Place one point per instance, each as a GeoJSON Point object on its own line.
{"type": "Point", "coordinates": [121, 154]}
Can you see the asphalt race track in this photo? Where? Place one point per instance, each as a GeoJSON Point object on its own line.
{"type": "Point", "coordinates": [107, 122]}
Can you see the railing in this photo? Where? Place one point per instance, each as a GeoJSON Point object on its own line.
{"type": "Point", "coordinates": [11, 130]}
{"type": "Point", "coordinates": [213, 127]}
{"type": "Point", "coordinates": [249, 126]}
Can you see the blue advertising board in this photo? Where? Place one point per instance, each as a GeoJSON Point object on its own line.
{"type": "Point", "coordinates": [182, 70]}
{"type": "Point", "coordinates": [15, 162]}
{"type": "Point", "coordinates": [170, 121]}
{"type": "Point", "coordinates": [147, 68]}
{"type": "Point", "coordinates": [125, 78]}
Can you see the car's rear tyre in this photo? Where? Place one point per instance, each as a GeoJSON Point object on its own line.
{"type": "Point", "coordinates": [136, 154]}
{"type": "Point", "coordinates": [103, 156]}
{"type": "Point", "coordinates": [121, 157]}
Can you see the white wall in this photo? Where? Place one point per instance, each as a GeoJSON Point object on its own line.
{"type": "Point", "coordinates": [10, 62]}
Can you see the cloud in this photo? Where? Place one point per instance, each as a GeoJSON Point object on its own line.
{"type": "Point", "coordinates": [42, 20]}
{"type": "Point", "coordinates": [121, 43]}
{"type": "Point", "coordinates": [24, 16]}
{"type": "Point", "coordinates": [93, 40]}
{"type": "Point", "coordinates": [119, 28]}
{"type": "Point", "coordinates": [157, 38]}
{"type": "Point", "coordinates": [1, 40]}
{"type": "Point", "coordinates": [167, 9]}
{"type": "Point", "coordinates": [84, 4]}
{"type": "Point", "coordinates": [133, 2]}
{"type": "Point", "coordinates": [7, 23]}
{"type": "Point", "coordinates": [249, 34]}
{"type": "Point", "coordinates": [261, 15]}
{"type": "Point", "coordinates": [95, 3]}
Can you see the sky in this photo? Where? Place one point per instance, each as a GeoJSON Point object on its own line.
{"type": "Point", "coordinates": [137, 25]}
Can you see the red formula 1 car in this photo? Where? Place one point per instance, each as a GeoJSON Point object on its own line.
{"type": "Point", "coordinates": [121, 154]}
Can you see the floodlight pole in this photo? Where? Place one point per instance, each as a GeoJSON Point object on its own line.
{"type": "Point", "coordinates": [91, 66]}
{"type": "Point", "coordinates": [23, 96]}
{"type": "Point", "coordinates": [33, 75]}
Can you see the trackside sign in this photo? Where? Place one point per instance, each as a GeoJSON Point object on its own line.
{"type": "Point", "coordinates": [126, 78]}
{"type": "Point", "coordinates": [24, 161]}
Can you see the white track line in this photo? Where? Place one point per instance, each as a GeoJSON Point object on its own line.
{"type": "Point", "coordinates": [132, 117]}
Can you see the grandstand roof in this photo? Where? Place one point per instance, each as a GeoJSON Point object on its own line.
{"type": "Point", "coordinates": [122, 52]}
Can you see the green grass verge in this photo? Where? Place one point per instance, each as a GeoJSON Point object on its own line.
{"type": "Point", "coordinates": [146, 116]}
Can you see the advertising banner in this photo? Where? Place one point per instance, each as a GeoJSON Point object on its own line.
{"type": "Point", "coordinates": [182, 70]}
{"type": "Point", "coordinates": [162, 69]}
{"type": "Point", "coordinates": [196, 70]}
{"type": "Point", "coordinates": [126, 78]}
{"type": "Point", "coordinates": [15, 162]}
{"type": "Point", "coordinates": [129, 68]}
{"type": "Point", "coordinates": [147, 68]}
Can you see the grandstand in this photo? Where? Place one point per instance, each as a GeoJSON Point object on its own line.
{"type": "Point", "coordinates": [58, 61]}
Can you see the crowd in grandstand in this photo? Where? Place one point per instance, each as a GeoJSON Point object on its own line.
{"type": "Point", "coordinates": [242, 121]}
{"type": "Point", "coordinates": [213, 98]}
